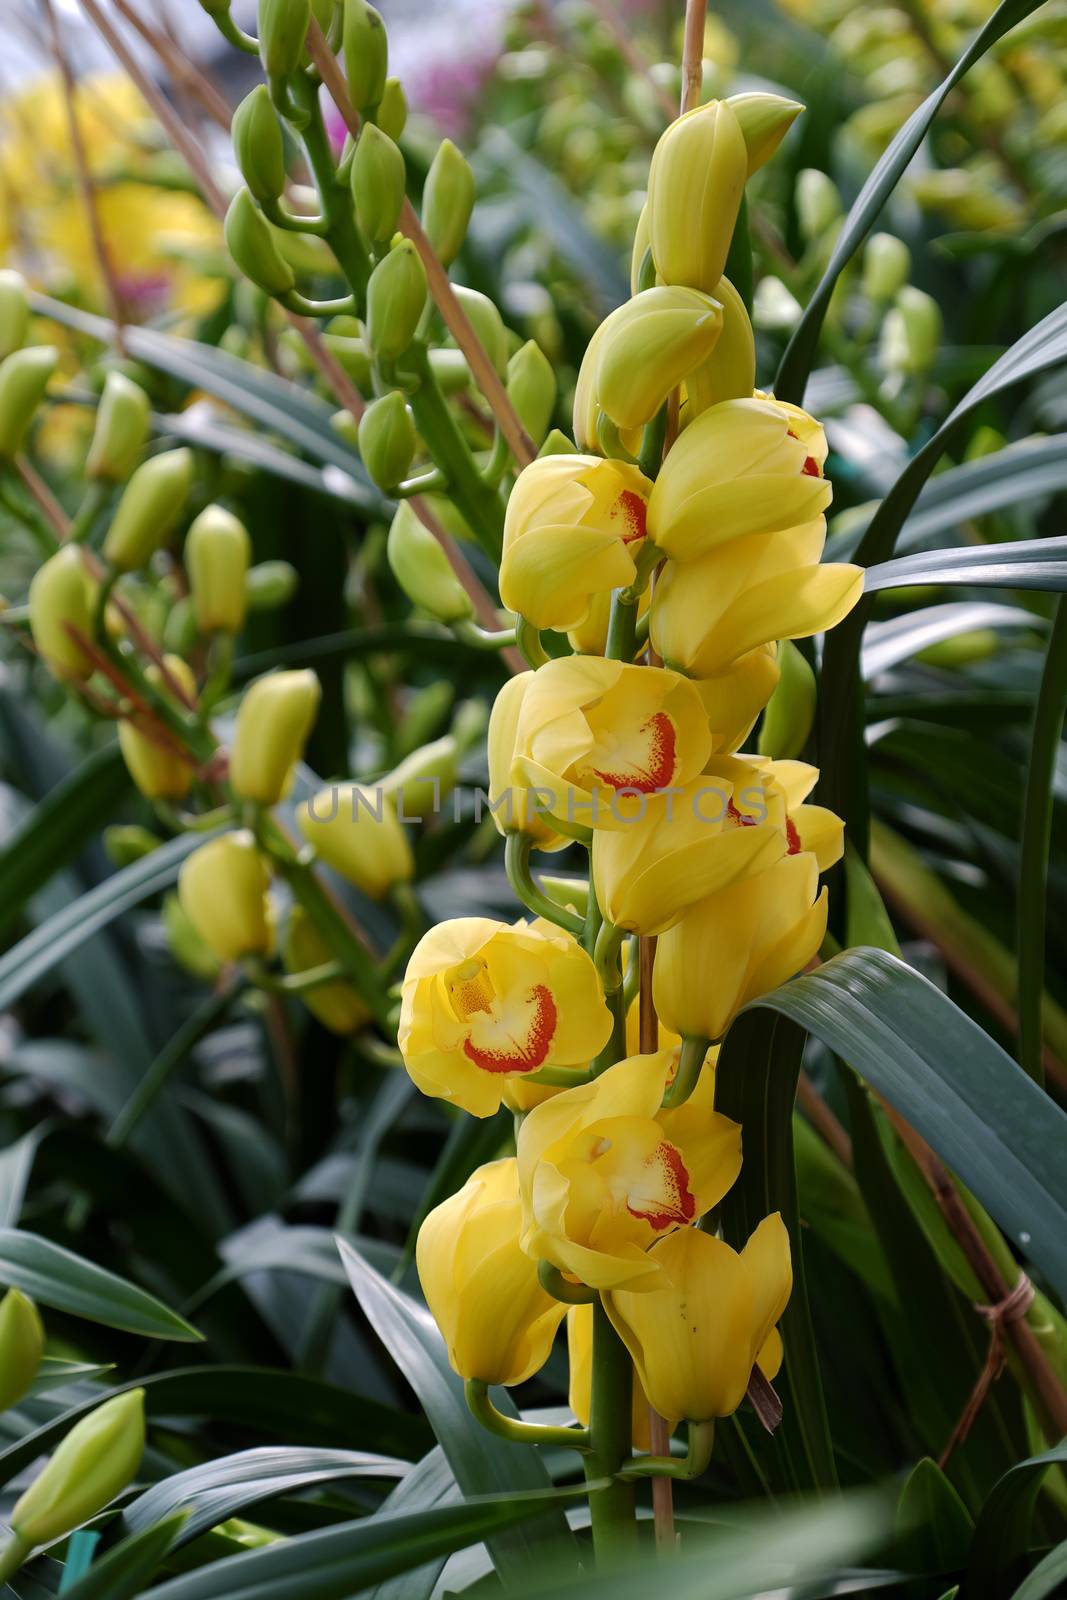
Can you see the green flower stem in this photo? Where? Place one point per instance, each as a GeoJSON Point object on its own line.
{"type": "Point", "coordinates": [425, 483]}
{"type": "Point", "coordinates": [611, 1509]}
{"type": "Point", "coordinates": [294, 982]}
{"type": "Point", "coordinates": [13, 1553]}
{"type": "Point", "coordinates": [652, 441]}
{"type": "Point", "coordinates": [303, 307]}
{"type": "Point", "coordinates": [615, 1049]}
{"type": "Point", "coordinates": [477, 500]}
{"type": "Point", "coordinates": [292, 221]}
{"type": "Point", "coordinates": [173, 1053]}
{"type": "Point", "coordinates": [186, 728]}
{"type": "Point", "coordinates": [93, 501]}
{"type": "Point", "coordinates": [235, 35]}
{"type": "Point", "coordinates": [690, 1062]}
{"type": "Point", "coordinates": [468, 632]}
{"type": "Point", "coordinates": [481, 1407]}
{"type": "Point", "coordinates": [554, 1283]}
{"type": "Point", "coordinates": [701, 1439]}
{"type": "Point", "coordinates": [517, 849]}
{"type": "Point", "coordinates": [221, 669]}
{"type": "Point", "coordinates": [528, 640]}
{"type": "Point", "coordinates": [609, 944]}
{"type": "Point", "coordinates": [622, 627]}
{"type": "Point", "coordinates": [558, 1077]}
{"type": "Point", "coordinates": [412, 927]}
{"type": "Point", "coordinates": [335, 196]}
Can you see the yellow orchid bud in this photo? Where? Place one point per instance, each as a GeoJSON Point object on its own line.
{"type": "Point", "coordinates": [126, 843]}
{"type": "Point", "coordinates": [604, 1173]}
{"type": "Point", "coordinates": [580, 1390]}
{"type": "Point", "coordinates": [594, 738]}
{"type": "Point", "coordinates": [729, 373]}
{"type": "Point", "coordinates": [378, 179]}
{"type": "Point", "coordinates": [695, 184]}
{"type": "Point", "coordinates": [447, 201]}
{"type": "Point", "coordinates": [911, 332]}
{"type": "Point", "coordinates": [251, 243]}
{"type": "Point", "coordinates": [366, 53]}
{"type": "Point", "coordinates": [741, 467]}
{"type": "Point", "coordinates": [392, 110]}
{"type": "Point", "coordinates": [764, 120]}
{"type": "Point", "coordinates": [532, 389]}
{"type": "Point", "coordinates": [685, 847]}
{"type": "Point", "coordinates": [120, 432]}
{"type": "Point", "coordinates": [61, 598]}
{"type": "Point", "coordinates": [708, 613]}
{"type": "Point", "coordinates": [217, 552]}
{"type": "Point", "coordinates": [387, 439]}
{"type": "Point", "coordinates": [423, 779]}
{"type": "Point", "coordinates": [356, 832]}
{"type": "Point", "coordinates": [573, 528]}
{"type": "Point", "coordinates": [14, 311]}
{"type": "Point", "coordinates": [21, 1346]}
{"type": "Point", "coordinates": [396, 295]}
{"type": "Point", "coordinates": [24, 377]}
{"type": "Point", "coordinates": [94, 1463]}
{"type": "Point", "coordinates": [740, 943]}
{"type": "Point", "coordinates": [185, 944]}
{"type": "Point", "coordinates": [423, 570]}
{"type": "Point", "coordinates": [818, 204]}
{"type": "Point", "coordinates": [274, 719]}
{"type": "Point", "coordinates": [696, 1338]}
{"type": "Point", "coordinates": [487, 324]}
{"type": "Point", "coordinates": [282, 27]}
{"type": "Point", "coordinates": [886, 267]}
{"type": "Point", "coordinates": [641, 247]}
{"type": "Point", "coordinates": [511, 804]}
{"type": "Point", "coordinates": [642, 351]}
{"type": "Point", "coordinates": [790, 711]}
{"type": "Point", "coordinates": [338, 1006]}
{"type": "Point", "coordinates": [483, 1292]}
{"type": "Point", "coordinates": [270, 584]}
{"type": "Point", "coordinates": [151, 504]}
{"type": "Point", "coordinates": [222, 888]}
{"type": "Point", "coordinates": [161, 771]}
{"type": "Point", "coordinates": [482, 1002]}
{"type": "Point", "coordinates": [258, 145]}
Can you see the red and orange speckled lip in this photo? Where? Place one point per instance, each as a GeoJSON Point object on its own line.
{"type": "Point", "coordinates": [678, 1205]}
{"type": "Point", "coordinates": [662, 761]}
{"type": "Point", "coordinates": [633, 509]}
{"type": "Point", "coordinates": [530, 1054]}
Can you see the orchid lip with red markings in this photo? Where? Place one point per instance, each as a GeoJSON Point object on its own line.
{"type": "Point", "coordinates": [677, 1205]}
{"type": "Point", "coordinates": [662, 759]}
{"type": "Point", "coordinates": [529, 1054]}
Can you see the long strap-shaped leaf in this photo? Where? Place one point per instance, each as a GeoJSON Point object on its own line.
{"type": "Point", "coordinates": [799, 354]}
{"type": "Point", "coordinates": [954, 1084]}
{"type": "Point", "coordinates": [1003, 1527]}
{"type": "Point", "coordinates": [1022, 564]}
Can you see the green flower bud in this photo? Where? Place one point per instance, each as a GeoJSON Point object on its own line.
{"type": "Point", "coordinates": [24, 377]}
{"type": "Point", "coordinates": [222, 887]}
{"type": "Point", "coordinates": [14, 311]}
{"type": "Point", "coordinates": [128, 842]}
{"type": "Point", "coordinates": [387, 439]}
{"type": "Point", "coordinates": [532, 389]}
{"type": "Point", "coordinates": [258, 146]}
{"type": "Point", "coordinates": [366, 52]}
{"type": "Point", "coordinates": [424, 712]}
{"type": "Point", "coordinates": [180, 627]}
{"type": "Point", "coordinates": [791, 709]}
{"type": "Point", "coordinates": [764, 120]}
{"type": "Point", "coordinates": [357, 833]}
{"type": "Point", "coordinates": [886, 266]}
{"type": "Point", "coordinates": [270, 584]}
{"type": "Point", "coordinates": [423, 570]}
{"type": "Point", "coordinates": [450, 369]}
{"type": "Point", "coordinates": [185, 944]}
{"type": "Point", "coordinates": [392, 112]}
{"type": "Point", "coordinates": [217, 553]}
{"type": "Point", "coordinates": [378, 179]}
{"type": "Point", "coordinates": [93, 1464]}
{"type": "Point", "coordinates": [338, 1006]}
{"type": "Point", "coordinates": [61, 598]}
{"type": "Point", "coordinates": [21, 1346]}
{"type": "Point", "coordinates": [150, 506]}
{"type": "Point", "coordinates": [911, 333]}
{"type": "Point", "coordinates": [120, 432]}
{"type": "Point", "coordinates": [283, 26]}
{"type": "Point", "coordinates": [353, 355]}
{"type": "Point", "coordinates": [396, 295]}
{"type": "Point", "coordinates": [216, 8]}
{"type": "Point", "coordinates": [558, 444]}
{"type": "Point", "coordinates": [273, 722]}
{"type": "Point", "coordinates": [421, 781]}
{"type": "Point", "coordinates": [447, 201]}
{"type": "Point", "coordinates": [487, 324]}
{"type": "Point", "coordinates": [251, 244]}
{"type": "Point", "coordinates": [818, 204]}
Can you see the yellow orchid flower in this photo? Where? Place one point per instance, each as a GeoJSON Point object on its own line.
{"type": "Point", "coordinates": [573, 527]}
{"type": "Point", "coordinates": [734, 698]}
{"type": "Point", "coordinates": [358, 833]}
{"type": "Point", "coordinates": [595, 738]}
{"type": "Point", "coordinates": [695, 185]}
{"type": "Point", "coordinates": [510, 803]}
{"type": "Point", "coordinates": [710, 1319]}
{"type": "Point", "coordinates": [483, 1002]}
{"type": "Point", "coordinates": [222, 888]}
{"type": "Point", "coordinates": [604, 1172]}
{"type": "Point", "coordinates": [482, 1291]}
{"type": "Point", "coordinates": [741, 467]}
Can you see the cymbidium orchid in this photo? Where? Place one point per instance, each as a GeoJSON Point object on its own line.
{"type": "Point", "coordinates": [483, 1002]}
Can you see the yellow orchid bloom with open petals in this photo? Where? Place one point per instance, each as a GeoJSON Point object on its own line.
{"type": "Point", "coordinates": [739, 943]}
{"type": "Point", "coordinates": [482, 1002]}
{"type": "Point", "coordinates": [741, 467]}
{"type": "Point", "coordinates": [747, 594]}
{"type": "Point", "coordinates": [596, 737]}
{"type": "Point", "coordinates": [711, 1318]}
{"type": "Point", "coordinates": [734, 699]}
{"type": "Point", "coordinates": [604, 1172]}
{"type": "Point", "coordinates": [573, 527]}
{"type": "Point", "coordinates": [510, 803]}
{"type": "Point", "coordinates": [483, 1292]}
